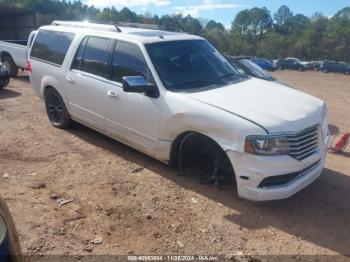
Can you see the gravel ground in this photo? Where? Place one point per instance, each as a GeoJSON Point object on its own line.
{"type": "Point", "coordinates": [123, 202]}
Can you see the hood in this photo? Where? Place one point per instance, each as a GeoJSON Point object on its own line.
{"type": "Point", "coordinates": [271, 105]}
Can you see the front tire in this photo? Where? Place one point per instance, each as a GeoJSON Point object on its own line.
{"type": "Point", "coordinates": [56, 109]}
{"type": "Point", "coordinates": [10, 66]}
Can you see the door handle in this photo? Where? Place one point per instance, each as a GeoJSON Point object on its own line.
{"type": "Point", "coordinates": [70, 79]}
{"type": "Point", "coordinates": [113, 94]}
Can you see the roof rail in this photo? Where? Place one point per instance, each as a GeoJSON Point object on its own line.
{"type": "Point", "coordinates": [94, 26]}
{"type": "Point", "coordinates": [138, 25]}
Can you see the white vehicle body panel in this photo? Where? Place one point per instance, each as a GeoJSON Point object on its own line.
{"type": "Point", "coordinates": [17, 52]}
{"type": "Point", "coordinates": [227, 115]}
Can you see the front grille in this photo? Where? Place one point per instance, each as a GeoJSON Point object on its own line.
{"type": "Point", "coordinates": [282, 180]}
{"type": "Point", "coordinates": [305, 143]}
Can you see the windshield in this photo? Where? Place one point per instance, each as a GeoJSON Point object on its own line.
{"type": "Point", "coordinates": [296, 60]}
{"type": "Point", "coordinates": [190, 64]}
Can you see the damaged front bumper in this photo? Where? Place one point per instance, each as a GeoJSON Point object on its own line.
{"type": "Point", "coordinates": [255, 174]}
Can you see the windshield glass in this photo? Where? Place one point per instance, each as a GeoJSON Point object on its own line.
{"type": "Point", "coordinates": [254, 69]}
{"type": "Point", "coordinates": [190, 64]}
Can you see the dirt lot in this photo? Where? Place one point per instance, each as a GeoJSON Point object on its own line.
{"type": "Point", "coordinates": [134, 204]}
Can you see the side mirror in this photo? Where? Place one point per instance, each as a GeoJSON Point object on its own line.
{"type": "Point", "coordinates": [138, 84]}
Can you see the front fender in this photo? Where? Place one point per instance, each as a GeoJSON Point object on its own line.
{"type": "Point", "coordinates": [225, 128]}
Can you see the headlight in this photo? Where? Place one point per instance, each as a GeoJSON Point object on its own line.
{"type": "Point", "coordinates": [267, 145]}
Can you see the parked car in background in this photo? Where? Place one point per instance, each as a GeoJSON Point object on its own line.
{"type": "Point", "coordinates": [4, 76]}
{"type": "Point", "coordinates": [291, 63]}
{"type": "Point", "coordinates": [264, 63]}
{"type": "Point", "coordinates": [246, 67]}
{"type": "Point", "coordinates": [315, 65]}
{"type": "Point", "coordinates": [336, 67]}
{"type": "Point", "coordinates": [174, 97]}
{"type": "Point", "coordinates": [14, 54]}
{"type": "Point", "coordinates": [307, 64]}
{"type": "Point", "coordinates": [10, 250]}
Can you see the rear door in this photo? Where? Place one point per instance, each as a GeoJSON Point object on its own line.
{"type": "Point", "coordinates": [87, 81]}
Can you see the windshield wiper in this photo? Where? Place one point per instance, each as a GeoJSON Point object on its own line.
{"type": "Point", "coordinates": [198, 81]}
{"type": "Point", "coordinates": [226, 76]}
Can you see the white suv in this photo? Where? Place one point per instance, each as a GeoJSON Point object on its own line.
{"type": "Point", "coordinates": [176, 98]}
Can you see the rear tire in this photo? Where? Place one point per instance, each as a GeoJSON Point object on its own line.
{"type": "Point", "coordinates": [56, 109]}
{"type": "Point", "coordinates": [3, 84]}
{"type": "Point", "coordinates": [347, 72]}
{"type": "Point", "coordinates": [10, 66]}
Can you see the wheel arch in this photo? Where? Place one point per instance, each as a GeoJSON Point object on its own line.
{"type": "Point", "coordinates": [51, 82]}
{"type": "Point", "coordinates": [180, 138]}
{"type": "Point", "coordinates": [4, 54]}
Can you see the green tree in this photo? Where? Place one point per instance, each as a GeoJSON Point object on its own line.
{"type": "Point", "coordinates": [282, 17]}
{"type": "Point", "coordinates": [214, 25]}
{"type": "Point", "coordinates": [252, 24]}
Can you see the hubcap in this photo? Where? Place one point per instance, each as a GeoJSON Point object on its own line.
{"type": "Point", "coordinates": [55, 109]}
{"type": "Point", "coordinates": [8, 66]}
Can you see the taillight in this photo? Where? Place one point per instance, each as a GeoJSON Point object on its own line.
{"type": "Point", "coordinates": [29, 66]}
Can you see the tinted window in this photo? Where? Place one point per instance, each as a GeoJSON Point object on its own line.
{"type": "Point", "coordinates": [95, 57]}
{"type": "Point", "coordinates": [51, 46]}
{"type": "Point", "coordinates": [190, 64]}
{"type": "Point", "coordinates": [128, 60]}
{"type": "Point", "coordinates": [79, 55]}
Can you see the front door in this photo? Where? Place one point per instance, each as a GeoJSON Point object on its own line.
{"type": "Point", "coordinates": [133, 116]}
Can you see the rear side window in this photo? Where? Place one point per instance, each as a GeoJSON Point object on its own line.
{"type": "Point", "coordinates": [128, 60]}
{"type": "Point", "coordinates": [51, 46]}
{"type": "Point", "coordinates": [79, 55]}
{"type": "Point", "coordinates": [94, 56]}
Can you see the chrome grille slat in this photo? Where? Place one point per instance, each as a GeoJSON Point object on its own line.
{"type": "Point", "coordinates": [306, 155]}
{"type": "Point", "coordinates": [301, 136]}
{"type": "Point", "coordinates": [301, 148]}
{"type": "Point", "coordinates": [304, 143]}
{"type": "Point", "coordinates": [304, 151]}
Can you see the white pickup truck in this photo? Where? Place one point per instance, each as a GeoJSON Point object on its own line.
{"type": "Point", "coordinates": [14, 54]}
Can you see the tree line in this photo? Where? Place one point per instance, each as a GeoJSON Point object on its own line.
{"type": "Point", "coordinates": [254, 31]}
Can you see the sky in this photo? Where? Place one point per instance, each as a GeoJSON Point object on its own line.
{"type": "Point", "coordinates": [222, 11]}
